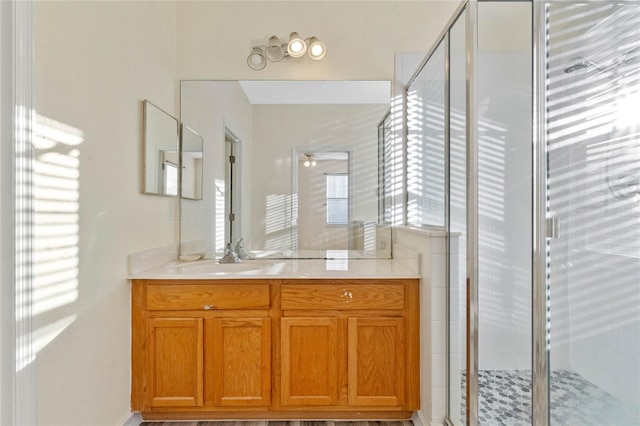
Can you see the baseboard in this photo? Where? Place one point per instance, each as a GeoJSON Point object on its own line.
{"type": "Point", "coordinates": [134, 420]}
{"type": "Point", "coordinates": [418, 420]}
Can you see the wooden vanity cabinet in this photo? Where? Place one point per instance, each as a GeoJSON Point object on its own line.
{"type": "Point", "coordinates": [356, 338]}
{"type": "Point", "coordinates": [199, 345]}
{"type": "Point", "coordinates": [260, 348]}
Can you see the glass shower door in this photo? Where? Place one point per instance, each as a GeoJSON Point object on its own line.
{"type": "Point", "coordinates": [593, 154]}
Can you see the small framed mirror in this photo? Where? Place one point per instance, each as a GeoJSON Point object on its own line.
{"type": "Point", "coordinates": [191, 150]}
{"type": "Point", "coordinates": [161, 162]}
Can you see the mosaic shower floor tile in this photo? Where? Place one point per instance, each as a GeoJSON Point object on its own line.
{"type": "Point", "coordinates": [504, 399]}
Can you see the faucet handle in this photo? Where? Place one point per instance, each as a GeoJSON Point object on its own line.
{"type": "Point", "coordinates": [240, 250]}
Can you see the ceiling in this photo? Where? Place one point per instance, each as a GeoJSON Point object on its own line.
{"type": "Point", "coordinates": [316, 92]}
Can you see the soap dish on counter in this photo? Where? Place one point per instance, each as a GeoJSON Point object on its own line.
{"type": "Point", "coordinates": [190, 257]}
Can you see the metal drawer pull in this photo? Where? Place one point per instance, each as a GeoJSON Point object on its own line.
{"type": "Point", "coordinates": [208, 307]}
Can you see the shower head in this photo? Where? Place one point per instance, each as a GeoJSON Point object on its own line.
{"type": "Point", "coordinates": [577, 66]}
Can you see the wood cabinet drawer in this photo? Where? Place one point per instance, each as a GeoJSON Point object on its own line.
{"type": "Point", "coordinates": [342, 295]}
{"type": "Point", "coordinates": [187, 297]}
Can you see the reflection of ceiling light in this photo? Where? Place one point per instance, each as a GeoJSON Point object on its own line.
{"type": "Point", "coordinates": [310, 160]}
{"type": "Point", "coordinates": [275, 51]}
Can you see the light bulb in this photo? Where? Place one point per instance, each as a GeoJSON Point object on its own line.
{"type": "Point", "coordinates": [296, 47]}
{"type": "Point", "coordinates": [314, 163]}
{"type": "Point", "coordinates": [307, 163]}
{"type": "Point", "coordinates": [317, 49]}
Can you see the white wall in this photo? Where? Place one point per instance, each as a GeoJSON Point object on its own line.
{"type": "Point", "coordinates": [95, 63]}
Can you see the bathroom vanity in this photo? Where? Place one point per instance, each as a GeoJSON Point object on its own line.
{"type": "Point", "coordinates": [290, 340]}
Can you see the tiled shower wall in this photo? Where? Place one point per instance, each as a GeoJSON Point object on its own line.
{"type": "Point", "coordinates": [505, 211]}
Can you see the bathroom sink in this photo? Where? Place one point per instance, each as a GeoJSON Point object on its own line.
{"type": "Point", "coordinates": [207, 267]}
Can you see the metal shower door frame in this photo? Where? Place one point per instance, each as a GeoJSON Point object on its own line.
{"type": "Point", "coordinates": [540, 289]}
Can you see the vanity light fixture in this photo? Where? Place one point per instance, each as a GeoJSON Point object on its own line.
{"type": "Point", "coordinates": [310, 160]}
{"type": "Point", "coordinates": [275, 51]}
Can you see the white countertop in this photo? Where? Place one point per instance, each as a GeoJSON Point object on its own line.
{"type": "Point", "coordinates": [282, 268]}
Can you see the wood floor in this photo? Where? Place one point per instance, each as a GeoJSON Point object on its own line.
{"type": "Point", "coordinates": [282, 423]}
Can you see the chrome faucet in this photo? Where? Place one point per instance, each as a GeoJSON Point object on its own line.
{"type": "Point", "coordinates": [230, 256]}
{"type": "Point", "coordinates": [242, 255]}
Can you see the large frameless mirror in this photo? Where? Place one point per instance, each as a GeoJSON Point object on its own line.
{"type": "Point", "coordinates": [278, 122]}
{"type": "Point", "coordinates": [160, 151]}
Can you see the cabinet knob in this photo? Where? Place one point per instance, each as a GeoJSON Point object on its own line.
{"type": "Point", "coordinates": [208, 307]}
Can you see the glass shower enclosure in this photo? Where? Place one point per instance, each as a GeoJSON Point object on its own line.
{"type": "Point", "coordinates": [536, 106]}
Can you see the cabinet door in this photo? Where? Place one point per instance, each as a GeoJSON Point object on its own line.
{"type": "Point", "coordinates": [309, 361]}
{"type": "Point", "coordinates": [175, 362]}
{"type": "Point", "coordinates": [376, 348]}
{"type": "Point", "coordinates": [242, 361]}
